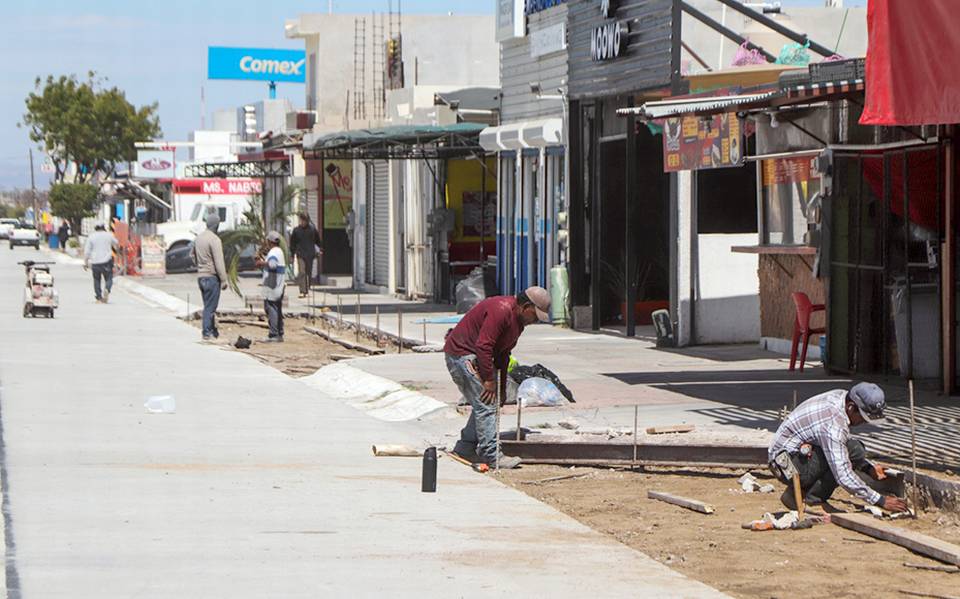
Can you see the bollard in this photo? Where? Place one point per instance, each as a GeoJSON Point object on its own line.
{"type": "Point", "coordinates": [428, 481]}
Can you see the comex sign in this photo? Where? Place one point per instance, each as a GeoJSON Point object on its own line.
{"type": "Point", "coordinates": [256, 64]}
{"type": "Point", "coordinates": [606, 41]}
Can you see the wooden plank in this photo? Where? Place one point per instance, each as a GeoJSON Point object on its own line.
{"type": "Point", "coordinates": [914, 541]}
{"type": "Point", "coordinates": [676, 428]}
{"type": "Point", "coordinates": [690, 504]}
{"type": "Point", "coordinates": [935, 568]}
{"type": "Point", "coordinates": [341, 341]}
{"type": "Point", "coordinates": [930, 595]}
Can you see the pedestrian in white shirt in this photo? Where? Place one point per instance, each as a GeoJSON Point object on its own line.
{"type": "Point", "coordinates": [98, 255]}
{"type": "Point", "coordinates": [274, 276]}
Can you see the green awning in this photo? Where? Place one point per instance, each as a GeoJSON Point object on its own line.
{"type": "Point", "coordinates": [398, 142]}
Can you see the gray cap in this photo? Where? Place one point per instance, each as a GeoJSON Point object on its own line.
{"type": "Point", "coordinates": [869, 399]}
{"type": "Point", "coordinates": [213, 221]}
{"type": "Point", "coordinates": [273, 236]}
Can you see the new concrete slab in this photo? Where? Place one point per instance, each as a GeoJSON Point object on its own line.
{"type": "Point", "coordinates": [256, 486]}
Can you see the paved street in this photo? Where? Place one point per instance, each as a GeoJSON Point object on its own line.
{"type": "Point", "coordinates": [255, 487]}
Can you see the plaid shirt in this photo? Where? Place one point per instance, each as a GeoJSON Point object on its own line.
{"type": "Point", "coordinates": [822, 421]}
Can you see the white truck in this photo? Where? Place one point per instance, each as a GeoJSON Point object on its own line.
{"type": "Point", "coordinates": [181, 232]}
{"type": "Point", "coordinates": [7, 225]}
{"type": "Point", "coordinates": [25, 234]}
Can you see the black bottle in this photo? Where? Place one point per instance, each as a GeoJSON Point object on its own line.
{"type": "Point", "coordinates": [429, 480]}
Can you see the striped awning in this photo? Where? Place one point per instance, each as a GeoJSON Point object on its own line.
{"type": "Point", "coordinates": [814, 90]}
{"type": "Point", "coordinates": [709, 105]}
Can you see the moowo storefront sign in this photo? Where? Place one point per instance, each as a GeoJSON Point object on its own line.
{"type": "Point", "coordinates": [606, 40]}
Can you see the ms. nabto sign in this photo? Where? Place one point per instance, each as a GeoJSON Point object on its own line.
{"type": "Point", "coordinates": [256, 64]}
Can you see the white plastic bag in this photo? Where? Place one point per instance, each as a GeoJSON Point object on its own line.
{"type": "Point", "coordinates": [536, 391]}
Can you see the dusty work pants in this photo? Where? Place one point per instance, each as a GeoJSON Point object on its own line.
{"type": "Point", "coordinates": [305, 266]}
{"type": "Point", "coordinates": [481, 429]}
{"type": "Point", "coordinates": [816, 478]}
{"type": "Point", "coordinates": [210, 292]}
{"type": "Point", "coordinates": [105, 270]}
{"type": "Point", "coordinates": [274, 311]}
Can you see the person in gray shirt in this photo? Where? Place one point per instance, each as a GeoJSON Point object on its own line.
{"type": "Point", "coordinates": [98, 255]}
{"type": "Point", "coordinates": [211, 273]}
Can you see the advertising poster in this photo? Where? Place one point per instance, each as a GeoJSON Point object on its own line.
{"type": "Point", "coordinates": [473, 208]}
{"type": "Point", "coordinates": [337, 193]}
{"type": "Point", "coordinates": [152, 257]}
{"type": "Point", "coordinates": [694, 143]}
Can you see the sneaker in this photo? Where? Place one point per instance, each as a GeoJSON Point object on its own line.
{"type": "Point", "coordinates": [273, 340]}
{"type": "Point", "coordinates": [507, 463]}
{"type": "Point", "coordinates": [106, 296]}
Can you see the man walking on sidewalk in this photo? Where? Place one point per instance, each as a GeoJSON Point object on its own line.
{"type": "Point", "coordinates": [477, 350]}
{"type": "Point", "coordinates": [211, 273]}
{"type": "Point", "coordinates": [274, 273]}
{"type": "Point", "coordinates": [303, 245]}
{"type": "Point", "coordinates": [98, 255]}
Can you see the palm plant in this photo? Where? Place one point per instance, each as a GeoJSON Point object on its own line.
{"type": "Point", "coordinates": [254, 231]}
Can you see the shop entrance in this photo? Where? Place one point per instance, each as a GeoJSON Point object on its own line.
{"type": "Point", "coordinates": [885, 277]}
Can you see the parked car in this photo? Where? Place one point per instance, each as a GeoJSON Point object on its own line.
{"type": "Point", "coordinates": [180, 259]}
{"type": "Point", "coordinates": [24, 234]}
{"type": "Point", "coordinates": [7, 225]}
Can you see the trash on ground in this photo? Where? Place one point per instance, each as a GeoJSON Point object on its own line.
{"type": "Point", "coordinates": [160, 404]}
{"type": "Point", "coordinates": [537, 392]}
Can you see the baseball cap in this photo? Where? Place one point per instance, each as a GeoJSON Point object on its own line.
{"type": "Point", "coordinates": [273, 236]}
{"type": "Point", "coordinates": [541, 299]}
{"type": "Point", "coordinates": [869, 399]}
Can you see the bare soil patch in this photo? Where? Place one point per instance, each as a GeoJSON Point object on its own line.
{"type": "Point", "coordinates": [826, 561]}
{"type": "Point", "coordinates": [300, 354]}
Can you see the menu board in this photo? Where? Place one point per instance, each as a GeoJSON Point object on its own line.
{"type": "Point", "coordinates": [153, 257]}
{"type": "Point", "coordinates": [695, 142]}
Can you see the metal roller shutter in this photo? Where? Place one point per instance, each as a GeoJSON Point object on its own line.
{"type": "Point", "coordinates": [378, 224]}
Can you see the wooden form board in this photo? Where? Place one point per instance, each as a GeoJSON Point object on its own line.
{"type": "Point", "coordinates": [690, 504]}
{"type": "Point", "coordinates": [914, 541]}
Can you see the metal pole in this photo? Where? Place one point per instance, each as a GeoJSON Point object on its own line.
{"type": "Point", "coordinates": [519, 415]}
{"type": "Point", "coordinates": [496, 459]}
{"type": "Point", "coordinates": [378, 326]}
{"type": "Point", "coordinates": [339, 313]}
{"type": "Point", "coordinates": [357, 316]}
{"type": "Point", "coordinates": [399, 330]}
{"type": "Point", "coordinates": [424, 331]}
{"type": "Point", "coordinates": [33, 195]}
{"type": "Point", "coordinates": [794, 400]}
{"type": "Point", "coordinates": [913, 449]}
{"type": "Point", "coordinates": [906, 268]}
{"type": "Point", "coordinates": [800, 38]}
{"type": "Point", "coordinates": [636, 418]}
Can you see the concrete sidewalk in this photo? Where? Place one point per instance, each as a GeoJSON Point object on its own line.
{"type": "Point", "coordinates": [257, 486]}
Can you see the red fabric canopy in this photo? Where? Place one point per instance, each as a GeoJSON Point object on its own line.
{"type": "Point", "coordinates": [913, 53]}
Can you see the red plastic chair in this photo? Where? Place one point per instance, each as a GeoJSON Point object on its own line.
{"type": "Point", "coordinates": [801, 327]}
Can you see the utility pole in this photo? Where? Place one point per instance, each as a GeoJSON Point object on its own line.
{"type": "Point", "coordinates": [33, 194]}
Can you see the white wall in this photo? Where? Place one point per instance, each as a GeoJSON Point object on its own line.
{"type": "Point", "coordinates": [728, 290]}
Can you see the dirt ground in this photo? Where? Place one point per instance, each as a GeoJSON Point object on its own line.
{"type": "Point", "coordinates": [826, 561]}
{"type": "Point", "coordinates": [300, 354]}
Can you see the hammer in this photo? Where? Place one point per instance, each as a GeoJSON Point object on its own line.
{"type": "Point", "coordinates": [789, 471]}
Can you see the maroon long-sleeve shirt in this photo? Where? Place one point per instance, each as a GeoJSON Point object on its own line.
{"type": "Point", "coordinates": [489, 330]}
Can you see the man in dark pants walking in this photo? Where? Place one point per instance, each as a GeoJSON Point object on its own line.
{"type": "Point", "coordinates": [816, 436]}
{"type": "Point", "coordinates": [211, 273]}
{"type": "Point", "coordinates": [274, 275]}
{"type": "Point", "coordinates": [303, 245]}
{"type": "Point", "coordinates": [98, 255]}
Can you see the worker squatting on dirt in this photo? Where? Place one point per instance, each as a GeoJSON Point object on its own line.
{"type": "Point", "coordinates": [477, 349]}
{"type": "Point", "coordinates": [816, 435]}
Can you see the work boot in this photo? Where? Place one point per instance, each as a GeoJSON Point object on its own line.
{"type": "Point", "coordinates": [506, 462]}
{"type": "Point", "coordinates": [106, 296]}
{"type": "Point", "coordinates": [273, 340]}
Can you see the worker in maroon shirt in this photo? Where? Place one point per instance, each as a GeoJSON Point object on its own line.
{"type": "Point", "coordinates": [476, 350]}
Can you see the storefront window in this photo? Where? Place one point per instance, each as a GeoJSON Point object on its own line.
{"type": "Point", "coordinates": [787, 186]}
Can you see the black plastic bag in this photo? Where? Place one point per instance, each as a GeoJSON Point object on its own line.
{"type": "Point", "coordinates": [522, 373]}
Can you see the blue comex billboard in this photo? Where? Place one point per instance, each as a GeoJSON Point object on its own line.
{"type": "Point", "coordinates": [256, 64]}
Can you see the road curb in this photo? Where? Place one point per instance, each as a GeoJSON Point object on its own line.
{"type": "Point", "coordinates": [377, 396]}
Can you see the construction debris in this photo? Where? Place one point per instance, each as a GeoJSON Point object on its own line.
{"type": "Point", "coordinates": [570, 424]}
{"type": "Point", "coordinates": [935, 568]}
{"type": "Point", "coordinates": [690, 504]}
{"type": "Point", "coordinates": [914, 541]}
{"type": "Point", "coordinates": [403, 451]}
{"type": "Point", "coordinates": [677, 428]}
{"type": "Point", "coordinates": [782, 521]}
{"type": "Point", "coordinates": [555, 478]}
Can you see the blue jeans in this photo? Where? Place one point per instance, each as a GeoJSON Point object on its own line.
{"type": "Point", "coordinates": [105, 270]}
{"type": "Point", "coordinates": [274, 310]}
{"type": "Point", "coordinates": [481, 428]}
{"type": "Point", "coordinates": [210, 291]}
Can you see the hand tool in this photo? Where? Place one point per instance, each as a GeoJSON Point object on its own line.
{"type": "Point", "coordinates": [785, 464]}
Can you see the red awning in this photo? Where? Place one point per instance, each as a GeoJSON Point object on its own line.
{"type": "Point", "coordinates": [912, 55]}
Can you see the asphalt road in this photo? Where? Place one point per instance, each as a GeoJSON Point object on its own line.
{"type": "Point", "coordinates": [256, 487]}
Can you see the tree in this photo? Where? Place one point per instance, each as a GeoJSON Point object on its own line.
{"type": "Point", "coordinates": [80, 124]}
{"type": "Point", "coordinates": [73, 201]}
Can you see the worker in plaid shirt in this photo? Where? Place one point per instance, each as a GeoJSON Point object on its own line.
{"type": "Point", "coordinates": [816, 435]}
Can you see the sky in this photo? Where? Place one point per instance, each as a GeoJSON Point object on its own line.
{"type": "Point", "coordinates": [156, 52]}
